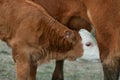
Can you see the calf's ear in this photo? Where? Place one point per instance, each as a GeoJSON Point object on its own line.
{"type": "Point", "coordinates": [71, 36]}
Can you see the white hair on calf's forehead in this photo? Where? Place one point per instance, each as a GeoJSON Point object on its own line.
{"type": "Point", "coordinates": [90, 47]}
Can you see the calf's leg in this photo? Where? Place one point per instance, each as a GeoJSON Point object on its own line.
{"type": "Point", "coordinates": [33, 70]}
{"type": "Point", "coordinates": [58, 72]}
{"type": "Point", "coordinates": [25, 70]}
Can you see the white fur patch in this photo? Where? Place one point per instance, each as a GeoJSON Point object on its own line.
{"type": "Point", "coordinates": [90, 46]}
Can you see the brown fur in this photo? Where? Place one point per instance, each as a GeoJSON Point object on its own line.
{"type": "Point", "coordinates": [105, 16]}
{"type": "Point", "coordinates": [35, 37]}
{"type": "Point", "coordinates": [71, 13]}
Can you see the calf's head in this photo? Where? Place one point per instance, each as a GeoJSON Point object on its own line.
{"type": "Point", "coordinates": [61, 40]}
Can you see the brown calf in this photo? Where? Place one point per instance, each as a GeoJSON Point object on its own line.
{"type": "Point", "coordinates": [105, 16]}
{"type": "Point", "coordinates": [71, 13]}
{"type": "Point", "coordinates": [35, 37]}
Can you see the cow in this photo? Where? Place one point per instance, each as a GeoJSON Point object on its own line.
{"type": "Point", "coordinates": [105, 16]}
{"type": "Point", "coordinates": [35, 37]}
{"type": "Point", "coordinates": [70, 13]}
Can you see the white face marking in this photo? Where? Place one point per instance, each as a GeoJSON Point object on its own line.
{"type": "Point", "coordinates": [90, 52]}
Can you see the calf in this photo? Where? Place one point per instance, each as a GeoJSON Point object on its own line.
{"type": "Point", "coordinates": [35, 37]}
{"type": "Point", "coordinates": [105, 16]}
{"type": "Point", "coordinates": [71, 13]}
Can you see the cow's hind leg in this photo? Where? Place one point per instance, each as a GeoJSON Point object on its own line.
{"type": "Point", "coordinates": [109, 46]}
{"type": "Point", "coordinates": [111, 69]}
{"type": "Point", "coordinates": [111, 64]}
{"type": "Point", "coordinates": [58, 72]}
{"type": "Point", "coordinates": [110, 73]}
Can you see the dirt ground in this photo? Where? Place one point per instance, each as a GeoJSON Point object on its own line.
{"type": "Point", "coordinates": [73, 70]}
